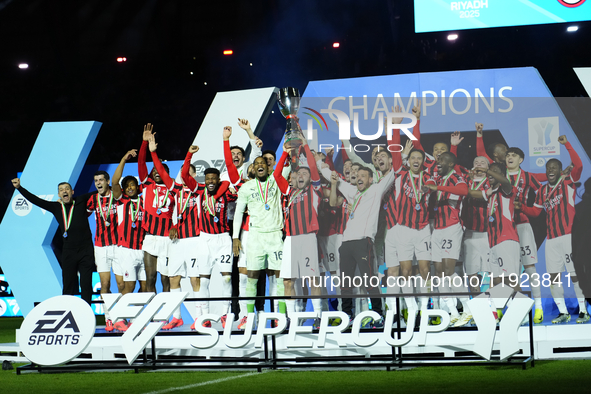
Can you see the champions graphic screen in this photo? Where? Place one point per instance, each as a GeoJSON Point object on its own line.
{"type": "Point", "coordinates": [443, 15]}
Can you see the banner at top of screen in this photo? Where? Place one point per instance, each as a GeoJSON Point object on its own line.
{"type": "Point", "coordinates": [444, 15]}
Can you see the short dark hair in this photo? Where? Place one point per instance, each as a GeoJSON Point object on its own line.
{"type": "Point", "coordinates": [103, 173]}
{"type": "Point", "coordinates": [127, 179]}
{"type": "Point", "coordinates": [64, 183]}
{"type": "Point", "coordinates": [451, 156]}
{"type": "Point", "coordinates": [270, 152]}
{"type": "Point", "coordinates": [345, 162]}
{"type": "Point", "coordinates": [364, 168]}
{"type": "Point", "coordinates": [238, 147]}
{"type": "Point", "coordinates": [501, 167]}
{"type": "Point", "coordinates": [193, 168]}
{"type": "Point", "coordinates": [554, 160]}
{"type": "Point", "coordinates": [493, 147]}
{"type": "Point", "coordinates": [417, 150]}
{"type": "Point", "coordinates": [212, 170]}
{"type": "Point", "coordinates": [517, 151]}
{"type": "Point", "coordinates": [166, 168]}
{"type": "Point", "coordinates": [356, 164]}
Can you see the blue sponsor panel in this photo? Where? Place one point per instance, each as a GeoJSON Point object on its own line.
{"type": "Point", "coordinates": [58, 156]}
{"type": "Point", "coordinates": [443, 15]}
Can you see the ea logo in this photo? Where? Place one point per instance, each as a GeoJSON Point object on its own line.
{"type": "Point", "coordinates": [21, 206]}
{"type": "Point", "coordinates": [571, 3]}
{"type": "Point", "coordinates": [57, 330]}
{"type": "Point", "coordinates": [200, 167]}
{"type": "Point", "coordinates": [540, 162]}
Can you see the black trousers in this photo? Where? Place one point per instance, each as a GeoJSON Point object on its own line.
{"type": "Point", "coordinates": [76, 261]}
{"type": "Point", "coordinates": [358, 254]}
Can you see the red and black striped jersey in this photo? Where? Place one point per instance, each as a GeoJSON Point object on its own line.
{"type": "Point", "coordinates": [302, 211]}
{"type": "Point", "coordinates": [525, 182]}
{"type": "Point", "coordinates": [559, 203]}
{"type": "Point", "coordinates": [412, 210]}
{"type": "Point", "coordinates": [105, 214]}
{"type": "Point", "coordinates": [474, 216]}
{"type": "Point", "coordinates": [130, 215]}
{"type": "Point", "coordinates": [447, 205]}
{"type": "Point", "coordinates": [214, 212]}
{"type": "Point", "coordinates": [501, 209]}
{"type": "Point", "coordinates": [389, 205]}
{"type": "Point", "coordinates": [158, 198]}
{"type": "Point", "coordinates": [188, 211]}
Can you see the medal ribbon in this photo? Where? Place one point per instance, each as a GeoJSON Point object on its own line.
{"type": "Point", "coordinates": [108, 212]}
{"type": "Point", "coordinates": [264, 200]}
{"type": "Point", "coordinates": [186, 203]}
{"type": "Point", "coordinates": [478, 186]}
{"type": "Point", "coordinates": [550, 192]}
{"type": "Point", "coordinates": [358, 200]}
{"type": "Point", "coordinates": [444, 182]}
{"type": "Point", "coordinates": [209, 203]}
{"type": "Point", "coordinates": [517, 179]}
{"type": "Point", "coordinates": [295, 195]}
{"type": "Point", "coordinates": [134, 209]}
{"type": "Point", "coordinates": [157, 197]}
{"type": "Point", "coordinates": [68, 217]}
{"type": "Point", "coordinates": [414, 187]}
{"type": "Point", "coordinates": [492, 208]}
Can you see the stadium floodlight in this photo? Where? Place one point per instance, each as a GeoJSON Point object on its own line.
{"type": "Point", "coordinates": [572, 28]}
{"type": "Point", "coordinates": [452, 37]}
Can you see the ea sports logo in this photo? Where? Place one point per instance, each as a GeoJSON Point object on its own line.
{"type": "Point", "coordinates": [21, 206]}
{"type": "Point", "coordinates": [200, 167]}
{"type": "Point", "coordinates": [57, 330]}
{"type": "Point", "coordinates": [571, 3]}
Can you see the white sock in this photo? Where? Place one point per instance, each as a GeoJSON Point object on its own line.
{"type": "Point", "coordinates": [317, 305]}
{"type": "Point", "coordinates": [410, 301]}
{"type": "Point", "coordinates": [290, 305]}
{"type": "Point", "coordinates": [226, 292]}
{"type": "Point", "coordinates": [536, 292]}
{"type": "Point", "coordinates": [324, 292]}
{"type": "Point", "coordinates": [449, 300]}
{"type": "Point", "coordinates": [106, 312]}
{"type": "Point", "coordinates": [462, 288]}
{"type": "Point", "coordinates": [198, 311]}
{"type": "Point", "coordinates": [391, 301]}
{"type": "Point", "coordinates": [580, 297]}
{"type": "Point", "coordinates": [177, 312]}
{"type": "Point", "coordinates": [242, 293]}
{"type": "Point", "coordinates": [273, 290]}
{"type": "Point", "coordinates": [558, 295]}
{"type": "Point", "coordinates": [204, 293]}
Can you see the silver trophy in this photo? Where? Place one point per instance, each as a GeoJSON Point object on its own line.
{"type": "Point", "coordinates": [288, 100]}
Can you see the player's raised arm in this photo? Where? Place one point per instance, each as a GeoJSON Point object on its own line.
{"type": "Point", "coordinates": [334, 200]}
{"type": "Point", "coordinates": [142, 169]}
{"type": "Point", "coordinates": [115, 186]}
{"type": "Point", "coordinates": [416, 130]}
{"type": "Point", "coordinates": [394, 142]}
{"type": "Point", "coordinates": [282, 183]}
{"type": "Point", "coordinates": [575, 173]}
{"type": "Point", "coordinates": [480, 149]}
{"type": "Point", "coordinates": [314, 176]}
{"type": "Point", "coordinates": [230, 166]}
{"type": "Point", "coordinates": [41, 203]}
{"type": "Point", "coordinates": [158, 164]}
{"type": "Point", "coordinates": [185, 176]}
{"type": "Point", "coordinates": [255, 143]}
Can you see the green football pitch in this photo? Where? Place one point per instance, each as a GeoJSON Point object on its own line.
{"type": "Point", "coordinates": [545, 377]}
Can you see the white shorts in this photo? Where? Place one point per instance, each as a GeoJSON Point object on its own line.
{"type": "Point", "coordinates": [300, 257]}
{"type": "Point", "coordinates": [559, 255]}
{"type": "Point", "coordinates": [265, 250]}
{"type": "Point", "coordinates": [215, 249]}
{"type": "Point", "coordinates": [104, 256]}
{"type": "Point", "coordinates": [390, 251]}
{"type": "Point", "coordinates": [183, 257]}
{"type": "Point", "coordinates": [242, 255]}
{"type": "Point", "coordinates": [504, 259]}
{"type": "Point", "coordinates": [527, 243]}
{"type": "Point", "coordinates": [411, 242]}
{"type": "Point", "coordinates": [446, 243]}
{"type": "Point", "coordinates": [157, 245]}
{"type": "Point", "coordinates": [476, 252]}
{"type": "Point", "coordinates": [131, 264]}
{"type": "Point", "coordinates": [330, 251]}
